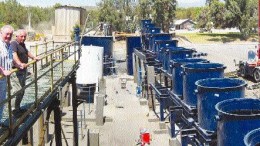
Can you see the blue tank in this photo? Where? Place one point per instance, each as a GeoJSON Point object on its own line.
{"type": "Point", "coordinates": [157, 36]}
{"type": "Point", "coordinates": [133, 42]}
{"type": "Point", "coordinates": [195, 72]}
{"type": "Point", "coordinates": [210, 92]}
{"type": "Point", "coordinates": [177, 81]}
{"type": "Point", "coordinates": [153, 30]}
{"type": "Point", "coordinates": [159, 44]}
{"type": "Point", "coordinates": [145, 21]}
{"type": "Point", "coordinates": [236, 117]}
{"type": "Point", "coordinates": [252, 138]}
{"type": "Point", "coordinates": [102, 41]}
{"type": "Point", "coordinates": [147, 27]}
{"type": "Point", "coordinates": [175, 53]}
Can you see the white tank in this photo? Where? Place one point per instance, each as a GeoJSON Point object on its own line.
{"type": "Point", "coordinates": [91, 65]}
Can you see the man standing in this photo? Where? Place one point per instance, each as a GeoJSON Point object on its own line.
{"type": "Point", "coordinates": [20, 57]}
{"type": "Point", "coordinates": [6, 59]}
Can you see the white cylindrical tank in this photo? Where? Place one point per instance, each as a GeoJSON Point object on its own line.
{"type": "Point", "coordinates": [91, 65]}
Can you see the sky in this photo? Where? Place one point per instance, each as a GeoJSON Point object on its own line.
{"type": "Point", "coordinates": [45, 3]}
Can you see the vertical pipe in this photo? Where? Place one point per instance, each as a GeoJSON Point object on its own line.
{"type": "Point", "coordinates": [162, 103]}
{"type": "Point", "coordinates": [74, 107]}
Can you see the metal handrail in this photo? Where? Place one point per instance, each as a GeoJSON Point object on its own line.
{"type": "Point", "coordinates": [48, 57]}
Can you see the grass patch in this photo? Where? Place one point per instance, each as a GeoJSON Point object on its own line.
{"type": "Point", "coordinates": [205, 38]}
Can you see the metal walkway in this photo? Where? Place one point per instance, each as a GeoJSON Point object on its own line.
{"type": "Point", "coordinates": [42, 91]}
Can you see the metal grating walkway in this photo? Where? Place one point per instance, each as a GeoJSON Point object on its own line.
{"type": "Point", "coordinates": [42, 85]}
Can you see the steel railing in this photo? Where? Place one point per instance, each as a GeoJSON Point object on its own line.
{"type": "Point", "coordinates": [54, 72]}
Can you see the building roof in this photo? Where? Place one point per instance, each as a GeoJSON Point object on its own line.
{"type": "Point", "coordinates": [181, 21]}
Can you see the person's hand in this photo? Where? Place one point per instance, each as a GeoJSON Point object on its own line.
{"type": "Point", "coordinates": [22, 66]}
{"type": "Point", "coordinates": [6, 72]}
{"type": "Point", "coordinates": [36, 58]}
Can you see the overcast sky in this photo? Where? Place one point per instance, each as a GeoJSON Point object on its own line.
{"type": "Point", "coordinates": [44, 3]}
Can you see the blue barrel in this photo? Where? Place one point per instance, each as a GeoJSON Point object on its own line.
{"type": "Point", "coordinates": [147, 27]}
{"type": "Point", "coordinates": [145, 21]}
{"type": "Point", "coordinates": [157, 36]}
{"type": "Point", "coordinates": [210, 92]}
{"type": "Point", "coordinates": [236, 117]}
{"type": "Point", "coordinates": [106, 42]}
{"type": "Point", "coordinates": [153, 30]}
{"type": "Point", "coordinates": [252, 138]}
{"type": "Point", "coordinates": [177, 81]}
{"type": "Point", "coordinates": [175, 53]}
{"type": "Point", "coordinates": [195, 72]}
{"type": "Point", "coordinates": [159, 44]}
{"type": "Point", "coordinates": [131, 43]}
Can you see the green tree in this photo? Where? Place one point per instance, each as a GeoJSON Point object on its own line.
{"type": "Point", "coordinates": [203, 18]}
{"type": "Point", "coordinates": [191, 13]}
{"type": "Point", "coordinates": [217, 14]}
{"type": "Point", "coordinates": [164, 13]}
{"type": "Point", "coordinates": [242, 14]}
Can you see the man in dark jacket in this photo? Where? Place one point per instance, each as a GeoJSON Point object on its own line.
{"type": "Point", "coordinates": [20, 58]}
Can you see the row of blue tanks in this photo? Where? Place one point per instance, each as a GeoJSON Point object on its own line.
{"type": "Point", "coordinates": [203, 106]}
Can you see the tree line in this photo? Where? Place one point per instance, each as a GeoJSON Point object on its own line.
{"type": "Point", "coordinates": [13, 13]}
{"type": "Point", "coordinates": [126, 16]}
{"type": "Point", "coordinates": [242, 14]}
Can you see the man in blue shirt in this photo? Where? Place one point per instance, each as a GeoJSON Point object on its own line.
{"type": "Point", "coordinates": [6, 59]}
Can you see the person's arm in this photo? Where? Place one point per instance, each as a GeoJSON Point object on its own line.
{"type": "Point", "coordinates": [32, 56]}
{"type": "Point", "coordinates": [17, 61]}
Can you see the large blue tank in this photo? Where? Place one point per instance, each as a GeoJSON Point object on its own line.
{"type": "Point", "coordinates": [175, 53]}
{"type": "Point", "coordinates": [147, 27]}
{"type": "Point", "coordinates": [252, 138]}
{"type": "Point", "coordinates": [177, 81]}
{"type": "Point", "coordinates": [159, 44]}
{"type": "Point", "coordinates": [145, 21]}
{"type": "Point", "coordinates": [153, 30]}
{"type": "Point", "coordinates": [131, 43]}
{"type": "Point", "coordinates": [195, 72]}
{"type": "Point", "coordinates": [157, 36]}
{"type": "Point", "coordinates": [102, 41]}
{"type": "Point", "coordinates": [210, 92]}
{"type": "Point", "coordinates": [236, 117]}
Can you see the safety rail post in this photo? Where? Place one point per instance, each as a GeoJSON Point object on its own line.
{"type": "Point", "coordinates": [75, 57]}
{"type": "Point", "coordinates": [51, 72]}
{"type": "Point", "coordinates": [53, 45]}
{"type": "Point", "coordinates": [45, 52]}
{"type": "Point", "coordinates": [62, 63]}
{"type": "Point", "coordinates": [35, 83]}
{"type": "Point", "coordinates": [69, 51]}
{"type": "Point", "coordinates": [9, 104]}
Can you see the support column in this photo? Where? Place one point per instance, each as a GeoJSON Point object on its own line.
{"type": "Point", "coordinates": [99, 110]}
{"type": "Point", "coordinates": [30, 137]}
{"type": "Point", "coordinates": [57, 119]}
{"type": "Point", "coordinates": [74, 108]}
{"type": "Point", "coordinates": [150, 80]}
{"type": "Point", "coordinates": [41, 130]}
